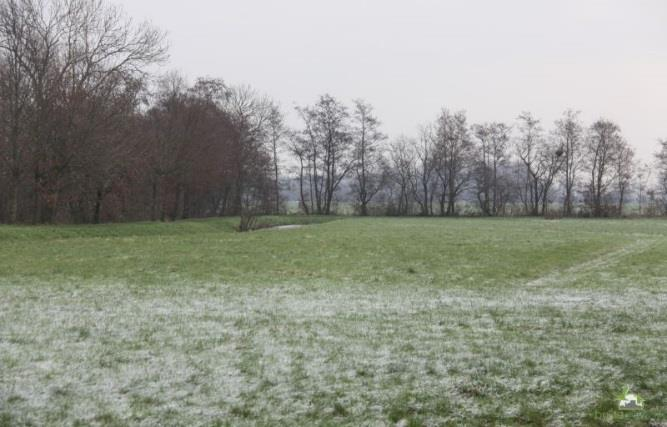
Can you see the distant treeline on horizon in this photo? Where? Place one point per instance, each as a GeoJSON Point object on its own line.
{"type": "Point", "coordinates": [88, 135]}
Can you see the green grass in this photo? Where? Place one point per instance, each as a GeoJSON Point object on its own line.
{"type": "Point", "coordinates": [341, 322]}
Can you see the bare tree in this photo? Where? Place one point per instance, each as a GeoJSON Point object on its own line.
{"type": "Point", "coordinates": [601, 151]}
{"type": "Point", "coordinates": [276, 134]}
{"type": "Point", "coordinates": [625, 168]}
{"type": "Point", "coordinates": [369, 167]}
{"type": "Point", "coordinates": [175, 123]}
{"type": "Point", "coordinates": [458, 158]}
{"type": "Point", "coordinates": [422, 179]}
{"type": "Point", "coordinates": [453, 155]}
{"type": "Point", "coordinates": [569, 133]}
{"type": "Point", "coordinates": [528, 148]}
{"type": "Point", "coordinates": [661, 165]}
{"type": "Point", "coordinates": [75, 62]}
{"type": "Point", "coordinates": [300, 149]}
{"type": "Point", "coordinates": [490, 160]}
{"type": "Point", "coordinates": [250, 113]}
{"type": "Point", "coordinates": [402, 160]}
{"type": "Point", "coordinates": [306, 146]}
{"type": "Point", "coordinates": [327, 137]}
{"type": "Point", "coordinates": [644, 175]}
{"type": "Point", "coordinates": [551, 161]}
{"type": "Point", "coordinates": [14, 99]}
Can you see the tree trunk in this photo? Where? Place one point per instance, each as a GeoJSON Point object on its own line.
{"type": "Point", "coordinates": [98, 206]}
{"type": "Point", "coordinates": [14, 202]}
{"type": "Point", "coordinates": [180, 202]}
{"type": "Point", "coordinates": [276, 178]}
{"type": "Point", "coordinates": [303, 199]}
{"type": "Point", "coordinates": [154, 202]}
{"type": "Point", "coordinates": [442, 201]}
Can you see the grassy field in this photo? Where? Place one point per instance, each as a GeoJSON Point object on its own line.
{"type": "Point", "coordinates": [345, 322]}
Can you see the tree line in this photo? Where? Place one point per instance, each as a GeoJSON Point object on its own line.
{"type": "Point", "coordinates": [88, 134]}
{"type": "Point", "coordinates": [488, 169]}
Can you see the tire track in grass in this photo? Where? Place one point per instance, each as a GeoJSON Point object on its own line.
{"type": "Point", "coordinates": [570, 275]}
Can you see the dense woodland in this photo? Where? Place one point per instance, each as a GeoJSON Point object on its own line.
{"type": "Point", "coordinates": [88, 133]}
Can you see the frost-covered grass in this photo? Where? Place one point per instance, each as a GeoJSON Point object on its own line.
{"type": "Point", "coordinates": [351, 322]}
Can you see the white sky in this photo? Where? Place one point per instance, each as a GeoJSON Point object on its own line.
{"type": "Point", "coordinates": [410, 58]}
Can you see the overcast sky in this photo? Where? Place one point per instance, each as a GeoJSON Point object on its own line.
{"type": "Point", "coordinates": [410, 58]}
